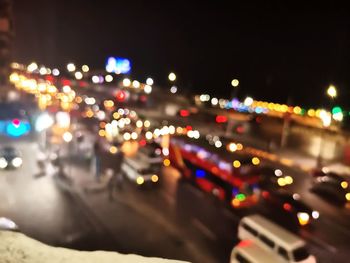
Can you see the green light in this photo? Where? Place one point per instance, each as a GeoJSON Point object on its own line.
{"type": "Point", "coordinates": [303, 111]}
{"type": "Point", "coordinates": [240, 197]}
{"type": "Point", "coordinates": [336, 110]}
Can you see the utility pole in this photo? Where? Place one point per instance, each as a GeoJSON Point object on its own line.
{"type": "Point", "coordinates": [6, 36]}
{"type": "Point", "coordinates": [286, 125]}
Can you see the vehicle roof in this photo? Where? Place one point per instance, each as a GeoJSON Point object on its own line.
{"type": "Point", "coordinates": [9, 149]}
{"type": "Point", "coordinates": [255, 253]}
{"type": "Point", "coordinates": [278, 233]}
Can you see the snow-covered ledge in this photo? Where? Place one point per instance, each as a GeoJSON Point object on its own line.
{"type": "Point", "coordinates": [17, 248]}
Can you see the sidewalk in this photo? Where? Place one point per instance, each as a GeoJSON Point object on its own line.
{"type": "Point", "coordinates": [128, 217]}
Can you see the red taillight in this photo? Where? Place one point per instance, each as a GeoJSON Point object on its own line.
{"type": "Point", "coordinates": [184, 113]}
{"type": "Point", "coordinates": [142, 142]}
{"type": "Point", "coordinates": [221, 119]}
{"type": "Point", "coordinates": [245, 243]}
{"type": "Point", "coordinates": [265, 194]}
{"type": "Point", "coordinates": [287, 207]}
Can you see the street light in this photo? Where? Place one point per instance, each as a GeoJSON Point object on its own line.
{"type": "Point", "coordinates": [149, 81]}
{"type": "Point", "coordinates": [234, 84]}
{"type": "Point", "coordinates": [332, 91]}
{"type": "Point", "coordinates": [172, 76]}
{"type": "Point", "coordinates": [71, 67]}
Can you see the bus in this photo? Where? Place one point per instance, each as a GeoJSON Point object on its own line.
{"type": "Point", "coordinates": [213, 171]}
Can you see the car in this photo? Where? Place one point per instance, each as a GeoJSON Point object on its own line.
{"type": "Point", "coordinates": [10, 158]}
{"type": "Point", "coordinates": [293, 205]}
{"type": "Point", "coordinates": [318, 173]}
{"type": "Point", "coordinates": [333, 188]}
{"type": "Point", "coordinates": [140, 170]}
{"type": "Point", "coordinates": [272, 178]}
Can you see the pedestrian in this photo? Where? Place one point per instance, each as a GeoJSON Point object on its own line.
{"type": "Point", "coordinates": [116, 181]}
{"type": "Point", "coordinates": [96, 160]}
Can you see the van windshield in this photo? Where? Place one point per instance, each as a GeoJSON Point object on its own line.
{"type": "Point", "coordinates": [300, 254]}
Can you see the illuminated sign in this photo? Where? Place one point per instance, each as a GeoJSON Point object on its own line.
{"type": "Point", "coordinates": [118, 65]}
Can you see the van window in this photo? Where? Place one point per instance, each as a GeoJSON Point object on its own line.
{"type": "Point", "coordinates": [241, 259]}
{"type": "Point", "coordinates": [267, 241]}
{"type": "Point", "coordinates": [300, 254]}
{"type": "Point", "coordinates": [250, 229]}
{"type": "Point", "coordinates": [282, 252]}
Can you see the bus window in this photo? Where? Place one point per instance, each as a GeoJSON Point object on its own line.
{"type": "Point", "coordinates": [267, 241]}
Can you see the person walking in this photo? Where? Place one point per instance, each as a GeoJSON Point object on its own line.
{"type": "Point", "coordinates": [96, 160]}
{"type": "Point", "coordinates": [116, 181]}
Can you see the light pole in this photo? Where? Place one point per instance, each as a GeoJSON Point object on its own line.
{"type": "Point", "coordinates": [172, 78]}
{"type": "Point", "coordinates": [326, 119]}
{"type": "Point", "coordinates": [235, 85]}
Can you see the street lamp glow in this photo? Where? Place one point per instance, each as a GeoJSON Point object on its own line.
{"type": "Point", "coordinates": [42, 71]}
{"type": "Point", "coordinates": [55, 72]}
{"type": "Point", "coordinates": [95, 79]}
{"type": "Point", "coordinates": [85, 68]}
{"type": "Point", "coordinates": [332, 91]}
{"type": "Point", "coordinates": [147, 89]}
{"type": "Point", "coordinates": [126, 82]}
{"type": "Point", "coordinates": [78, 75]}
{"type": "Point", "coordinates": [136, 84]}
{"type": "Point", "coordinates": [173, 89]}
{"type": "Point", "coordinates": [32, 66]}
{"type": "Point", "coordinates": [149, 81]}
{"type": "Point", "coordinates": [248, 101]}
{"type": "Point", "coordinates": [108, 78]}
{"type": "Point", "coordinates": [66, 89]}
{"type": "Point", "coordinates": [71, 67]}
{"type": "Point", "coordinates": [172, 76]}
{"type": "Point", "coordinates": [234, 82]}
{"type": "Point", "coordinates": [67, 136]}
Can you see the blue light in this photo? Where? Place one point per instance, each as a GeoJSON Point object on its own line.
{"type": "Point", "coordinates": [118, 65]}
{"type": "Point", "coordinates": [235, 191]}
{"type": "Point", "coordinates": [200, 173]}
{"type": "Point", "coordinates": [17, 130]}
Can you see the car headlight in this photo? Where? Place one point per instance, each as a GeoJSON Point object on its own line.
{"type": "Point", "coordinates": [347, 196]}
{"type": "Point", "coordinates": [140, 180]}
{"type": "Point", "coordinates": [154, 178]}
{"type": "Point", "coordinates": [3, 163]}
{"type": "Point", "coordinates": [303, 218]}
{"type": "Point", "coordinates": [315, 214]}
{"type": "Point", "coordinates": [17, 162]}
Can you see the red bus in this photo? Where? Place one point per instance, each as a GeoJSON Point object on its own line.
{"type": "Point", "coordinates": [213, 172]}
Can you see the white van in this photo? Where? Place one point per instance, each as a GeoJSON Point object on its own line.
{"type": "Point", "coordinates": [249, 252]}
{"type": "Point", "coordinates": [289, 247]}
{"type": "Point", "coordinates": [140, 170]}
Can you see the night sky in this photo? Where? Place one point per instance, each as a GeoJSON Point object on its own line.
{"type": "Point", "coordinates": [276, 51]}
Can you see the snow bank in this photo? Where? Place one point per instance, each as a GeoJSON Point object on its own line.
{"type": "Point", "coordinates": [18, 248]}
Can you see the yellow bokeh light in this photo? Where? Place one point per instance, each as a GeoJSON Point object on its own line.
{"type": "Point", "coordinates": [239, 146]}
{"type": "Point", "coordinates": [116, 115]}
{"type": "Point", "coordinates": [297, 110]}
{"type": "Point", "coordinates": [113, 150]}
{"type": "Point", "coordinates": [140, 180]}
{"type": "Point", "coordinates": [166, 162]}
{"type": "Point", "coordinates": [102, 133]}
{"type": "Point", "coordinates": [344, 184]}
{"type": "Point", "coordinates": [288, 180]}
{"type": "Point", "coordinates": [311, 113]}
{"type": "Point", "coordinates": [347, 196]}
{"type": "Point", "coordinates": [154, 178]}
{"type": "Point", "coordinates": [255, 161]}
{"type": "Point", "coordinates": [236, 164]}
